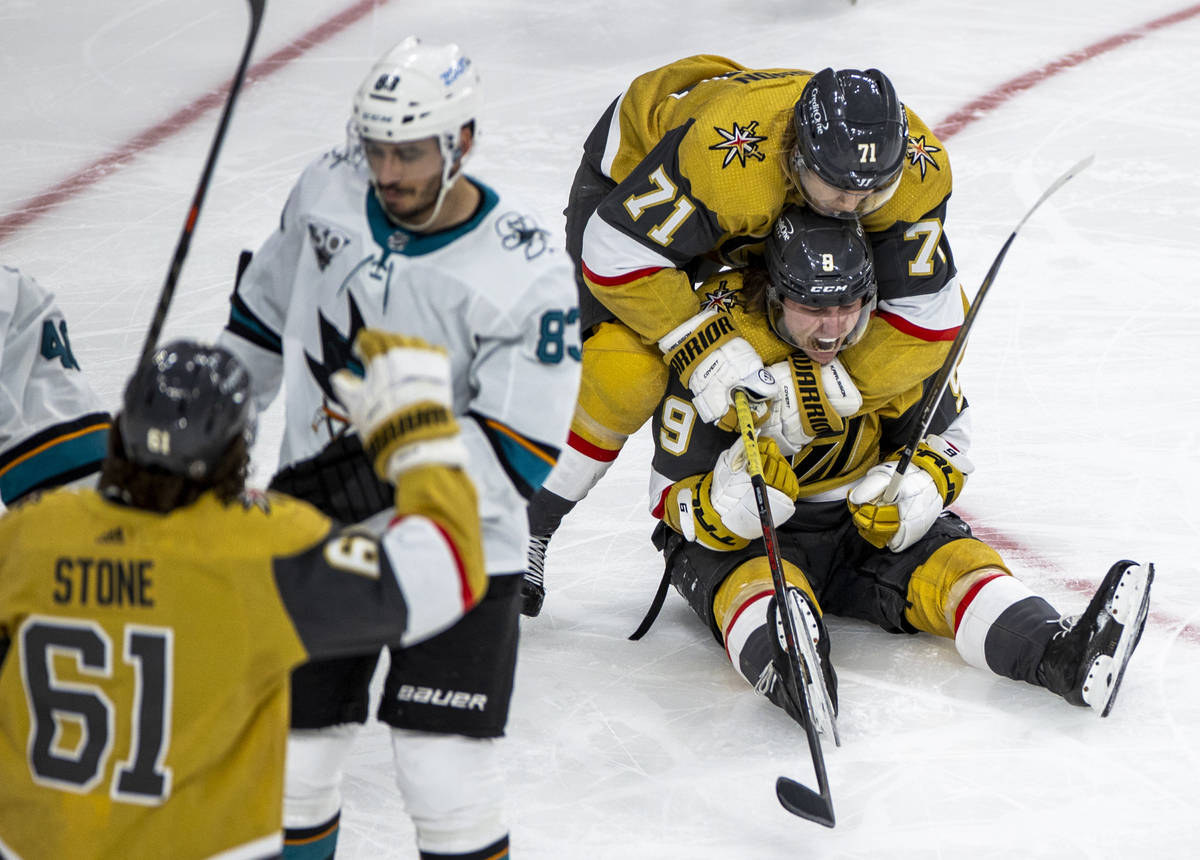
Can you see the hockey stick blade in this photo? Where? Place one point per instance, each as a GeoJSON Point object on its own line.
{"type": "Point", "coordinates": [189, 224]}
{"type": "Point", "coordinates": [933, 394]}
{"type": "Point", "coordinates": [802, 801]}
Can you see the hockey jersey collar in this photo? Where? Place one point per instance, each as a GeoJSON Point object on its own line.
{"type": "Point", "coordinates": [397, 240]}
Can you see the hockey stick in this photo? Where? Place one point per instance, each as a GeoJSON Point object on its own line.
{"type": "Point", "coordinates": [929, 403]}
{"type": "Point", "coordinates": [795, 797]}
{"type": "Point", "coordinates": [189, 225]}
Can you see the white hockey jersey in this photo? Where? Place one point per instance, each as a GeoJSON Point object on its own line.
{"type": "Point", "coordinates": [493, 291]}
{"type": "Point", "coordinates": [53, 429]}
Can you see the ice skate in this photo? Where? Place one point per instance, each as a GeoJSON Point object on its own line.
{"type": "Point", "coordinates": [533, 589]}
{"type": "Point", "coordinates": [820, 687]}
{"type": "Point", "coordinates": [1085, 661]}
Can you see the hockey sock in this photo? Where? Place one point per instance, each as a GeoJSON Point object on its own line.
{"type": "Point", "coordinates": [312, 843]}
{"type": "Point", "coordinates": [498, 850]}
{"type": "Point", "coordinates": [546, 512]}
{"type": "Point", "coordinates": [747, 639]}
{"type": "Point", "coordinates": [1002, 626]}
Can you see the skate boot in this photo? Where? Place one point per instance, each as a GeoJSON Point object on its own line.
{"type": "Point", "coordinates": [533, 589]}
{"type": "Point", "coordinates": [1086, 659]}
{"type": "Point", "coordinates": [777, 679]}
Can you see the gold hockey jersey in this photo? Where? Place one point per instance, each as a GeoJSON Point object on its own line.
{"type": "Point", "coordinates": [698, 150]}
{"type": "Point", "coordinates": [889, 370]}
{"type": "Point", "coordinates": [144, 677]}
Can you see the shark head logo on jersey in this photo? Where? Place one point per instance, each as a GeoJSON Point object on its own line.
{"type": "Point", "coordinates": [335, 355]}
{"type": "Point", "coordinates": [520, 231]}
{"type": "Point", "coordinates": [740, 143]}
{"type": "Point", "coordinates": [327, 242]}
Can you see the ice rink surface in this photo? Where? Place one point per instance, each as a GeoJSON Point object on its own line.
{"type": "Point", "coordinates": [1082, 373]}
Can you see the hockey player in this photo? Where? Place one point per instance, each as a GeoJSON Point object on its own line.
{"type": "Point", "coordinates": [53, 430]}
{"type": "Point", "coordinates": [147, 628]}
{"type": "Point", "coordinates": [685, 172]}
{"type": "Point", "coordinates": [389, 231]}
{"type": "Point", "coordinates": [908, 566]}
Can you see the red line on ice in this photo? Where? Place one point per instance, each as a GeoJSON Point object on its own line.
{"type": "Point", "coordinates": [35, 207]}
{"type": "Point", "coordinates": [974, 110]}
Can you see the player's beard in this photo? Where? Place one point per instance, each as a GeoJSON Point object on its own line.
{"type": "Point", "coordinates": [409, 204]}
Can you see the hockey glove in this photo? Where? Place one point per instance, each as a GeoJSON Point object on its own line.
{"type": "Point", "coordinates": [733, 495]}
{"type": "Point", "coordinates": [933, 480]}
{"type": "Point", "coordinates": [718, 510]}
{"type": "Point", "coordinates": [712, 359]}
{"type": "Point", "coordinates": [401, 407]}
{"type": "Point", "coordinates": [813, 401]}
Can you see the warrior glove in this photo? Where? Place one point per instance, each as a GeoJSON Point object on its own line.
{"type": "Point", "coordinates": [813, 401]}
{"type": "Point", "coordinates": [717, 509]}
{"type": "Point", "coordinates": [936, 482]}
{"type": "Point", "coordinates": [401, 406]}
{"type": "Point", "coordinates": [712, 359]}
{"type": "Point", "coordinates": [732, 493]}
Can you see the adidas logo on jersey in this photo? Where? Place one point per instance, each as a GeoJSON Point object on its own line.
{"type": "Point", "coordinates": [460, 699]}
{"type": "Point", "coordinates": [114, 535]}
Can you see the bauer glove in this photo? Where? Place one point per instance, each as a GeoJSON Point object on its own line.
{"type": "Point", "coordinates": [813, 401]}
{"type": "Point", "coordinates": [712, 359]}
{"type": "Point", "coordinates": [401, 407]}
{"type": "Point", "coordinates": [933, 480]}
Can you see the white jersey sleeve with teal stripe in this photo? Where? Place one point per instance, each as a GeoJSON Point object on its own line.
{"type": "Point", "coordinates": [53, 429]}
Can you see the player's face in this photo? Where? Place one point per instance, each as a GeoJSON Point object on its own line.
{"type": "Point", "coordinates": [833, 202]}
{"type": "Point", "coordinates": [407, 176]}
{"type": "Point", "coordinates": [819, 332]}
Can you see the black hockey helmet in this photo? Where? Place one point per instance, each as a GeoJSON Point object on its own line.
{"type": "Point", "coordinates": [818, 262]}
{"type": "Point", "coordinates": [184, 406]}
{"type": "Point", "coordinates": [851, 132]}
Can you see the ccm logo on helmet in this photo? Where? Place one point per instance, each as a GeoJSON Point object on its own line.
{"type": "Point", "coordinates": [827, 288]}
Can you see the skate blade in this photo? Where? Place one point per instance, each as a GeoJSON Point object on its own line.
{"type": "Point", "coordinates": [820, 711]}
{"type": "Point", "coordinates": [1128, 608]}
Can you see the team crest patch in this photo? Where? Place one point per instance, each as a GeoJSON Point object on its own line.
{"type": "Point", "coordinates": [740, 143]}
{"type": "Point", "coordinates": [720, 299]}
{"type": "Point", "coordinates": [921, 153]}
{"type": "Point", "coordinates": [520, 231]}
{"type": "Point", "coordinates": [327, 243]}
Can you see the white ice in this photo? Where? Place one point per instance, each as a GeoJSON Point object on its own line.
{"type": "Point", "coordinates": [1082, 373]}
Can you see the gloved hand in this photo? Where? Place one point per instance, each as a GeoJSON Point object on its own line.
{"type": "Point", "coordinates": [813, 401]}
{"type": "Point", "coordinates": [401, 407]}
{"type": "Point", "coordinates": [711, 359]}
{"type": "Point", "coordinates": [717, 509]}
{"type": "Point", "coordinates": [732, 493]}
{"type": "Point", "coordinates": [933, 480]}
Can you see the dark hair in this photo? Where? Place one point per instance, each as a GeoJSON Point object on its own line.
{"type": "Point", "coordinates": [755, 283]}
{"type": "Point", "coordinates": [151, 488]}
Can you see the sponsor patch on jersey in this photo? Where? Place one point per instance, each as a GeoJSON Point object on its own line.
{"type": "Point", "coordinates": [921, 153]}
{"type": "Point", "coordinates": [327, 242]}
{"type": "Point", "coordinates": [740, 143]}
{"type": "Point", "coordinates": [521, 231]}
{"type": "Point", "coordinates": [720, 299]}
